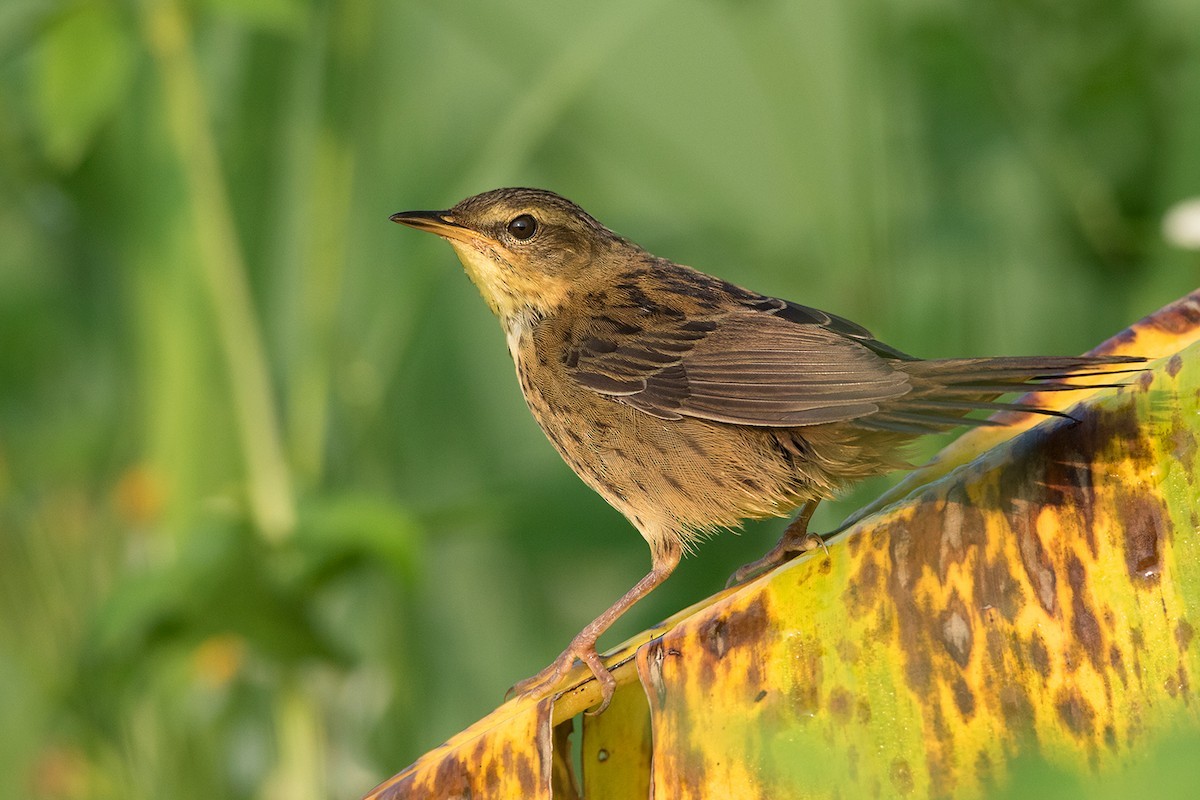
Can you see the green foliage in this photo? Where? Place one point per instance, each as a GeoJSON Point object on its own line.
{"type": "Point", "coordinates": [85, 63]}
{"type": "Point", "coordinates": [964, 180]}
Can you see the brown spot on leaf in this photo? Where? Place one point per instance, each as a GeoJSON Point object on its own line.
{"type": "Point", "coordinates": [913, 549]}
{"type": "Point", "coordinates": [956, 633]}
{"type": "Point", "coordinates": [962, 530]}
{"type": "Point", "coordinates": [1016, 708]}
{"type": "Point", "coordinates": [1138, 642]}
{"type": "Point", "coordinates": [1177, 684]}
{"type": "Point", "coordinates": [742, 627]}
{"type": "Point", "coordinates": [453, 775]}
{"type": "Point", "coordinates": [1144, 523]}
{"type": "Point", "coordinates": [903, 563]}
{"type": "Point", "coordinates": [964, 698]}
{"type": "Point", "coordinates": [1179, 317]}
{"type": "Point", "coordinates": [1183, 635]}
{"type": "Point", "coordinates": [861, 592]}
{"type": "Point", "coordinates": [940, 762]}
{"type": "Point", "coordinates": [1174, 365]}
{"type": "Point", "coordinates": [984, 771]}
{"type": "Point", "coordinates": [997, 645]}
{"type": "Point", "coordinates": [1075, 712]}
{"type": "Point", "coordinates": [997, 589]}
{"type": "Point", "coordinates": [807, 656]}
{"type": "Point", "coordinates": [526, 775]}
{"type": "Point", "coordinates": [902, 778]}
{"type": "Point", "coordinates": [1183, 448]}
{"type": "Point", "coordinates": [939, 728]}
{"type": "Point", "coordinates": [1038, 654]}
{"type": "Point", "coordinates": [1117, 661]}
{"type": "Point", "coordinates": [840, 701]}
{"type": "Point", "coordinates": [864, 710]}
{"type": "Point", "coordinates": [1083, 620]}
{"type": "Point", "coordinates": [1068, 452]}
{"type": "Point", "coordinates": [1127, 336]}
{"type": "Point", "coordinates": [491, 775]}
{"type": "Point", "coordinates": [1033, 555]}
{"type": "Point", "coordinates": [918, 670]}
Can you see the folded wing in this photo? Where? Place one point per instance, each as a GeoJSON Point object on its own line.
{"type": "Point", "coordinates": [748, 368]}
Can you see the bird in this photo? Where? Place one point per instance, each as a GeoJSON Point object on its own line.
{"type": "Point", "coordinates": [691, 404]}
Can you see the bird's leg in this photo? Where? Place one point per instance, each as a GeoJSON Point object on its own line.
{"type": "Point", "coordinates": [583, 646]}
{"type": "Point", "coordinates": [795, 541]}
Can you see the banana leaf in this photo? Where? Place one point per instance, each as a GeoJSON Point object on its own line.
{"type": "Point", "coordinates": [1027, 597]}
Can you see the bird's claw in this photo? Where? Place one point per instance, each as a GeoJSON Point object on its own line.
{"type": "Point", "coordinates": [782, 553]}
{"type": "Point", "coordinates": [548, 679]}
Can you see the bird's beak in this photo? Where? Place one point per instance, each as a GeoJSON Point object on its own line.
{"type": "Point", "coordinates": [436, 222]}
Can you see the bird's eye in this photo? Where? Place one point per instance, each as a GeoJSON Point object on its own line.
{"type": "Point", "coordinates": [523, 227]}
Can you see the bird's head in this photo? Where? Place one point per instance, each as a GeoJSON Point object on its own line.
{"type": "Point", "coordinates": [524, 248]}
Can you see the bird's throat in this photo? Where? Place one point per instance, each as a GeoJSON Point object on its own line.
{"type": "Point", "coordinates": [514, 295]}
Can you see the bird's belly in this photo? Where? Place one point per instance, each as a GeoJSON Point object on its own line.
{"type": "Point", "coordinates": [670, 478]}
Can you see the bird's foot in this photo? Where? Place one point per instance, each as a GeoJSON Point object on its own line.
{"type": "Point", "coordinates": [785, 551]}
{"type": "Point", "coordinates": [796, 540]}
{"type": "Point", "coordinates": [582, 647]}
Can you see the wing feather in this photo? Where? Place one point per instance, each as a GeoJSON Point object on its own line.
{"type": "Point", "coordinates": [744, 367]}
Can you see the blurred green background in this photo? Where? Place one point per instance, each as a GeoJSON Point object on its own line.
{"type": "Point", "coordinates": [273, 517]}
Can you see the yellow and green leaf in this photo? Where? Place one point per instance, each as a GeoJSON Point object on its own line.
{"type": "Point", "coordinates": [1036, 597]}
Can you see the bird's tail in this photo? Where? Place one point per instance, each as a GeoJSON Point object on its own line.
{"type": "Point", "coordinates": [945, 391]}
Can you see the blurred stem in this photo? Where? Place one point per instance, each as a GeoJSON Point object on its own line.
{"type": "Point", "coordinates": [223, 268]}
{"type": "Point", "coordinates": [309, 415]}
{"type": "Point", "coordinates": [314, 227]}
{"type": "Point", "coordinates": [299, 772]}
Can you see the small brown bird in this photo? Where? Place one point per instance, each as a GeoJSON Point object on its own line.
{"type": "Point", "coordinates": [690, 403]}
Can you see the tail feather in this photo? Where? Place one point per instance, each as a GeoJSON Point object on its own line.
{"type": "Point", "coordinates": [967, 406]}
{"type": "Point", "coordinates": [999, 388]}
{"type": "Point", "coordinates": [918, 424]}
{"type": "Point", "coordinates": [945, 391]}
{"type": "Point", "coordinates": [1024, 368]}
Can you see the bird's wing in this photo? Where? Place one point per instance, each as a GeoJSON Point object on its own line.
{"type": "Point", "coordinates": [744, 367]}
